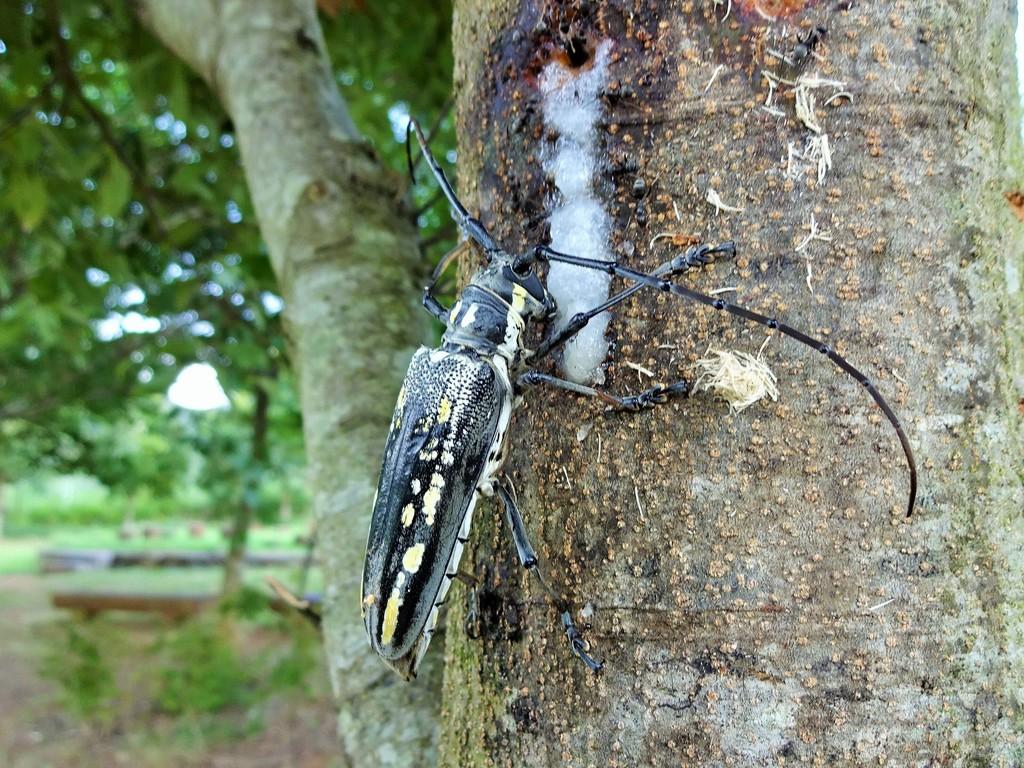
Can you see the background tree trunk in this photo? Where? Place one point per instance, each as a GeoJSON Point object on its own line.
{"type": "Point", "coordinates": [344, 252]}
{"type": "Point", "coordinates": [770, 603]}
{"type": "Point", "coordinates": [238, 538]}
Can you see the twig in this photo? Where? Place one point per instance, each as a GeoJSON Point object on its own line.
{"type": "Point", "coordinates": [26, 109]}
{"type": "Point", "coordinates": [639, 506]}
{"type": "Point", "coordinates": [805, 108]}
{"type": "Point", "coordinates": [837, 95]}
{"type": "Point", "coordinates": [639, 368]}
{"type": "Point", "coordinates": [812, 235]}
{"type": "Point", "coordinates": [715, 199]}
{"type": "Point", "coordinates": [781, 56]}
{"type": "Point", "coordinates": [819, 150]}
{"type": "Point", "coordinates": [67, 76]}
{"type": "Point", "coordinates": [714, 76]}
{"type": "Point", "coordinates": [882, 604]}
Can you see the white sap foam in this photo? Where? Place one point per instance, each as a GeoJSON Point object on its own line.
{"type": "Point", "coordinates": [579, 223]}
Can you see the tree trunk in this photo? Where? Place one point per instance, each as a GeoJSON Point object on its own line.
{"type": "Point", "coordinates": [344, 252]}
{"type": "Point", "coordinates": [758, 595]}
{"type": "Point", "coordinates": [239, 537]}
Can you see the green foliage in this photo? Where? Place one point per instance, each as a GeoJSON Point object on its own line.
{"type": "Point", "coordinates": [247, 603]}
{"type": "Point", "coordinates": [389, 69]}
{"type": "Point", "coordinates": [129, 249]}
{"type": "Point", "coordinates": [64, 499]}
{"type": "Point", "coordinates": [202, 673]}
{"type": "Point", "coordinates": [68, 501]}
{"type": "Point", "coordinates": [290, 670]}
{"type": "Point", "coordinates": [213, 675]}
{"type": "Point", "coordinates": [77, 659]}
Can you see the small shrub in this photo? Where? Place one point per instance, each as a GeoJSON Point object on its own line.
{"type": "Point", "coordinates": [74, 661]}
{"type": "Point", "coordinates": [202, 672]}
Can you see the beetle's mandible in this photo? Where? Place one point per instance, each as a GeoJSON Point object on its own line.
{"type": "Point", "coordinates": [446, 443]}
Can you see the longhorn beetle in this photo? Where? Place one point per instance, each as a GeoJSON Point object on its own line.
{"type": "Point", "coordinates": [446, 443]}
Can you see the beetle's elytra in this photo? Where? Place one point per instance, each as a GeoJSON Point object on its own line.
{"type": "Point", "coordinates": [445, 446]}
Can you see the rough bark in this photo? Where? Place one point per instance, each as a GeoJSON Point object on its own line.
{"type": "Point", "coordinates": [770, 603]}
{"type": "Point", "coordinates": [345, 256]}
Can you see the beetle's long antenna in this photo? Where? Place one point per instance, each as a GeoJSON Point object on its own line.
{"type": "Point", "coordinates": [408, 152]}
{"type": "Point", "coordinates": [661, 284]}
{"type": "Point", "coordinates": [471, 226]}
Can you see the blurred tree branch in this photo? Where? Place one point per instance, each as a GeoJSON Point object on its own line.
{"type": "Point", "coordinates": [73, 89]}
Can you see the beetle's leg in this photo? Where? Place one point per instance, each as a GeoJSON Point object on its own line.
{"type": "Point", "coordinates": [473, 227]}
{"type": "Point", "coordinates": [528, 557]}
{"type": "Point", "coordinates": [466, 578]}
{"type": "Point", "coordinates": [646, 399]}
{"type": "Point", "coordinates": [430, 302]}
{"type": "Point", "coordinates": [544, 253]}
{"type": "Point", "coordinates": [694, 256]}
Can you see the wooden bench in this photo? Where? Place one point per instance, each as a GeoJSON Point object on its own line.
{"type": "Point", "coordinates": [171, 605]}
{"type": "Point", "coordinates": [65, 560]}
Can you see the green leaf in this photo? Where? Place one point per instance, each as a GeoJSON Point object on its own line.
{"type": "Point", "coordinates": [27, 196]}
{"type": "Point", "coordinates": [115, 189]}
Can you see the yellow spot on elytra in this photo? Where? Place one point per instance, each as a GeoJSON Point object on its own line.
{"type": "Point", "coordinates": [413, 557]}
{"type": "Point", "coordinates": [444, 411]}
{"type": "Point", "coordinates": [432, 497]}
{"type": "Point", "coordinates": [401, 396]}
{"type": "Point", "coordinates": [415, 485]}
{"type": "Point", "coordinates": [387, 633]}
{"type": "Point", "coordinates": [407, 514]}
{"type": "Point", "coordinates": [369, 600]}
{"type": "Point", "coordinates": [447, 458]}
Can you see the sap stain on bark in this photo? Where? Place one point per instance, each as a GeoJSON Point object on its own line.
{"type": "Point", "coordinates": [765, 10]}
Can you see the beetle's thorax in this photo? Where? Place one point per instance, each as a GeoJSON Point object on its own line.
{"type": "Point", "coordinates": [492, 312]}
{"type": "Point", "coordinates": [485, 323]}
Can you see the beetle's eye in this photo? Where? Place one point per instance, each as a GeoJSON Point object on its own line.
{"type": "Point", "coordinates": [522, 265]}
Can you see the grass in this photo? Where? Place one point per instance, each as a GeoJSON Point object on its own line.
{"type": "Point", "coordinates": [19, 555]}
{"type": "Point", "coordinates": [278, 712]}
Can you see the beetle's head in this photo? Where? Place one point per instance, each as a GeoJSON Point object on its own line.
{"type": "Point", "coordinates": [518, 285]}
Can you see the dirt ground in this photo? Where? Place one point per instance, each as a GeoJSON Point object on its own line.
{"type": "Point", "coordinates": [296, 731]}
